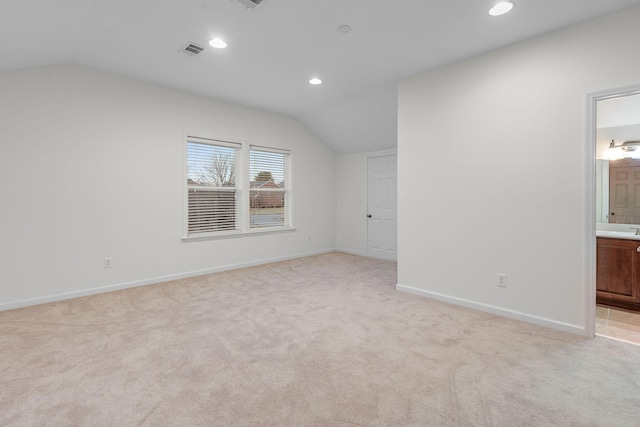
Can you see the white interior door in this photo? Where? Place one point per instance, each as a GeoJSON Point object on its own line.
{"type": "Point", "coordinates": [624, 193]}
{"type": "Point", "coordinates": [381, 203]}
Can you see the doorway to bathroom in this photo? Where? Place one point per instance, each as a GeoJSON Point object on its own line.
{"type": "Point", "coordinates": [615, 128]}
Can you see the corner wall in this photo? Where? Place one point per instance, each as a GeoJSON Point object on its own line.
{"type": "Point", "coordinates": [91, 166]}
{"type": "Point", "coordinates": [491, 171]}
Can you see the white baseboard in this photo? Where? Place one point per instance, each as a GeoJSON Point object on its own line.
{"type": "Point", "coordinates": [364, 254]}
{"type": "Point", "coordinates": [553, 324]}
{"type": "Point", "coordinates": [350, 252]}
{"type": "Point", "coordinates": [152, 281]}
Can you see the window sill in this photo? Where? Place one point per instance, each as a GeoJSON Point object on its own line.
{"type": "Point", "coordinates": [236, 234]}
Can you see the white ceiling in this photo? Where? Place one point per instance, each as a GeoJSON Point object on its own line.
{"type": "Point", "coordinates": [275, 49]}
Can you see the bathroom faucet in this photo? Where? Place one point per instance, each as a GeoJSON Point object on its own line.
{"type": "Point", "coordinates": [637, 230]}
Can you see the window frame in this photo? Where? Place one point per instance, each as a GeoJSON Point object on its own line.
{"type": "Point", "coordinates": [242, 189]}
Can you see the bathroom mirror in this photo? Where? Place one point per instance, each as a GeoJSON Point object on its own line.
{"type": "Point", "coordinates": [618, 120]}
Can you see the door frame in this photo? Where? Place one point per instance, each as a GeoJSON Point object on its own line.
{"type": "Point", "coordinates": [590, 199]}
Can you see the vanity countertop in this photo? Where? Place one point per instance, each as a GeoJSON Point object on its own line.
{"type": "Point", "coordinates": [628, 235]}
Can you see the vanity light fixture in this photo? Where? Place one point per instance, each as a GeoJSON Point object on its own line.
{"type": "Point", "coordinates": [626, 149]}
{"type": "Point", "coordinates": [315, 81]}
{"type": "Point", "coordinates": [218, 43]}
{"type": "Point", "coordinates": [501, 8]}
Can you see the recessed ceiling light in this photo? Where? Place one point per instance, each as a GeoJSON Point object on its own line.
{"type": "Point", "coordinates": [343, 29]}
{"type": "Point", "coordinates": [315, 81]}
{"type": "Point", "coordinates": [501, 8]}
{"type": "Point", "coordinates": [218, 43]}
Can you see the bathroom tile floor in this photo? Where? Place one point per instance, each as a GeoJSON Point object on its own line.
{"type": "Point", "coordinates": [618, 323]}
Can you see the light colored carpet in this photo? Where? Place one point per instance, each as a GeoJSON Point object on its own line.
{"type": "Point", "coordinates": [317, 341]}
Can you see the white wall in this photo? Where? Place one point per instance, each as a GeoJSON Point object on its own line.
{"type": "Point", "coordinates": [351, 204]}
{"type": "Point", "coordinates": [492, 176]}
{"type": "Point", "coordinates": [91, 165]}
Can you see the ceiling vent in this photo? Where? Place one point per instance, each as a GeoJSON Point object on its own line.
{"type": "Point", "coordinates": [249, 4]}
{"type": "Point", "coordinates": [192, 49]}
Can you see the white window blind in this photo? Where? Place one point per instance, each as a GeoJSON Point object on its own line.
{"type": "Point", "coordinates": [269, 191]}
{"type": "Point", "coordinates": [212, 204]}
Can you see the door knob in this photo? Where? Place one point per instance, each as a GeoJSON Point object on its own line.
{"type": "Point", "coordinates": [638, 249]}
{"type": "Point", "coordinates": [369, 216]}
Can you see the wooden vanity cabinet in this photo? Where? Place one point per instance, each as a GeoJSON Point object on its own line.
{"type": "Point", "coordinates": [618, 272]}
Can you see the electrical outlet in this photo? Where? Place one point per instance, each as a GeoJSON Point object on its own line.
{"type": "Point", "coordinates": [502, 280]}
{"type": "Point", "coordinates": [107, 262]}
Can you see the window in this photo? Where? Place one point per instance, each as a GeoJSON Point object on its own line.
{"type": "Point", "coordinates": [211, 182]}
{"type": "Point", "coordinates": [268, 195]}
{"type": "Point", "coordinates": [233, 189]}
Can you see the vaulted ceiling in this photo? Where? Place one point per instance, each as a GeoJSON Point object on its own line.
{"type": "Point", "coordinates": [274, 49]}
